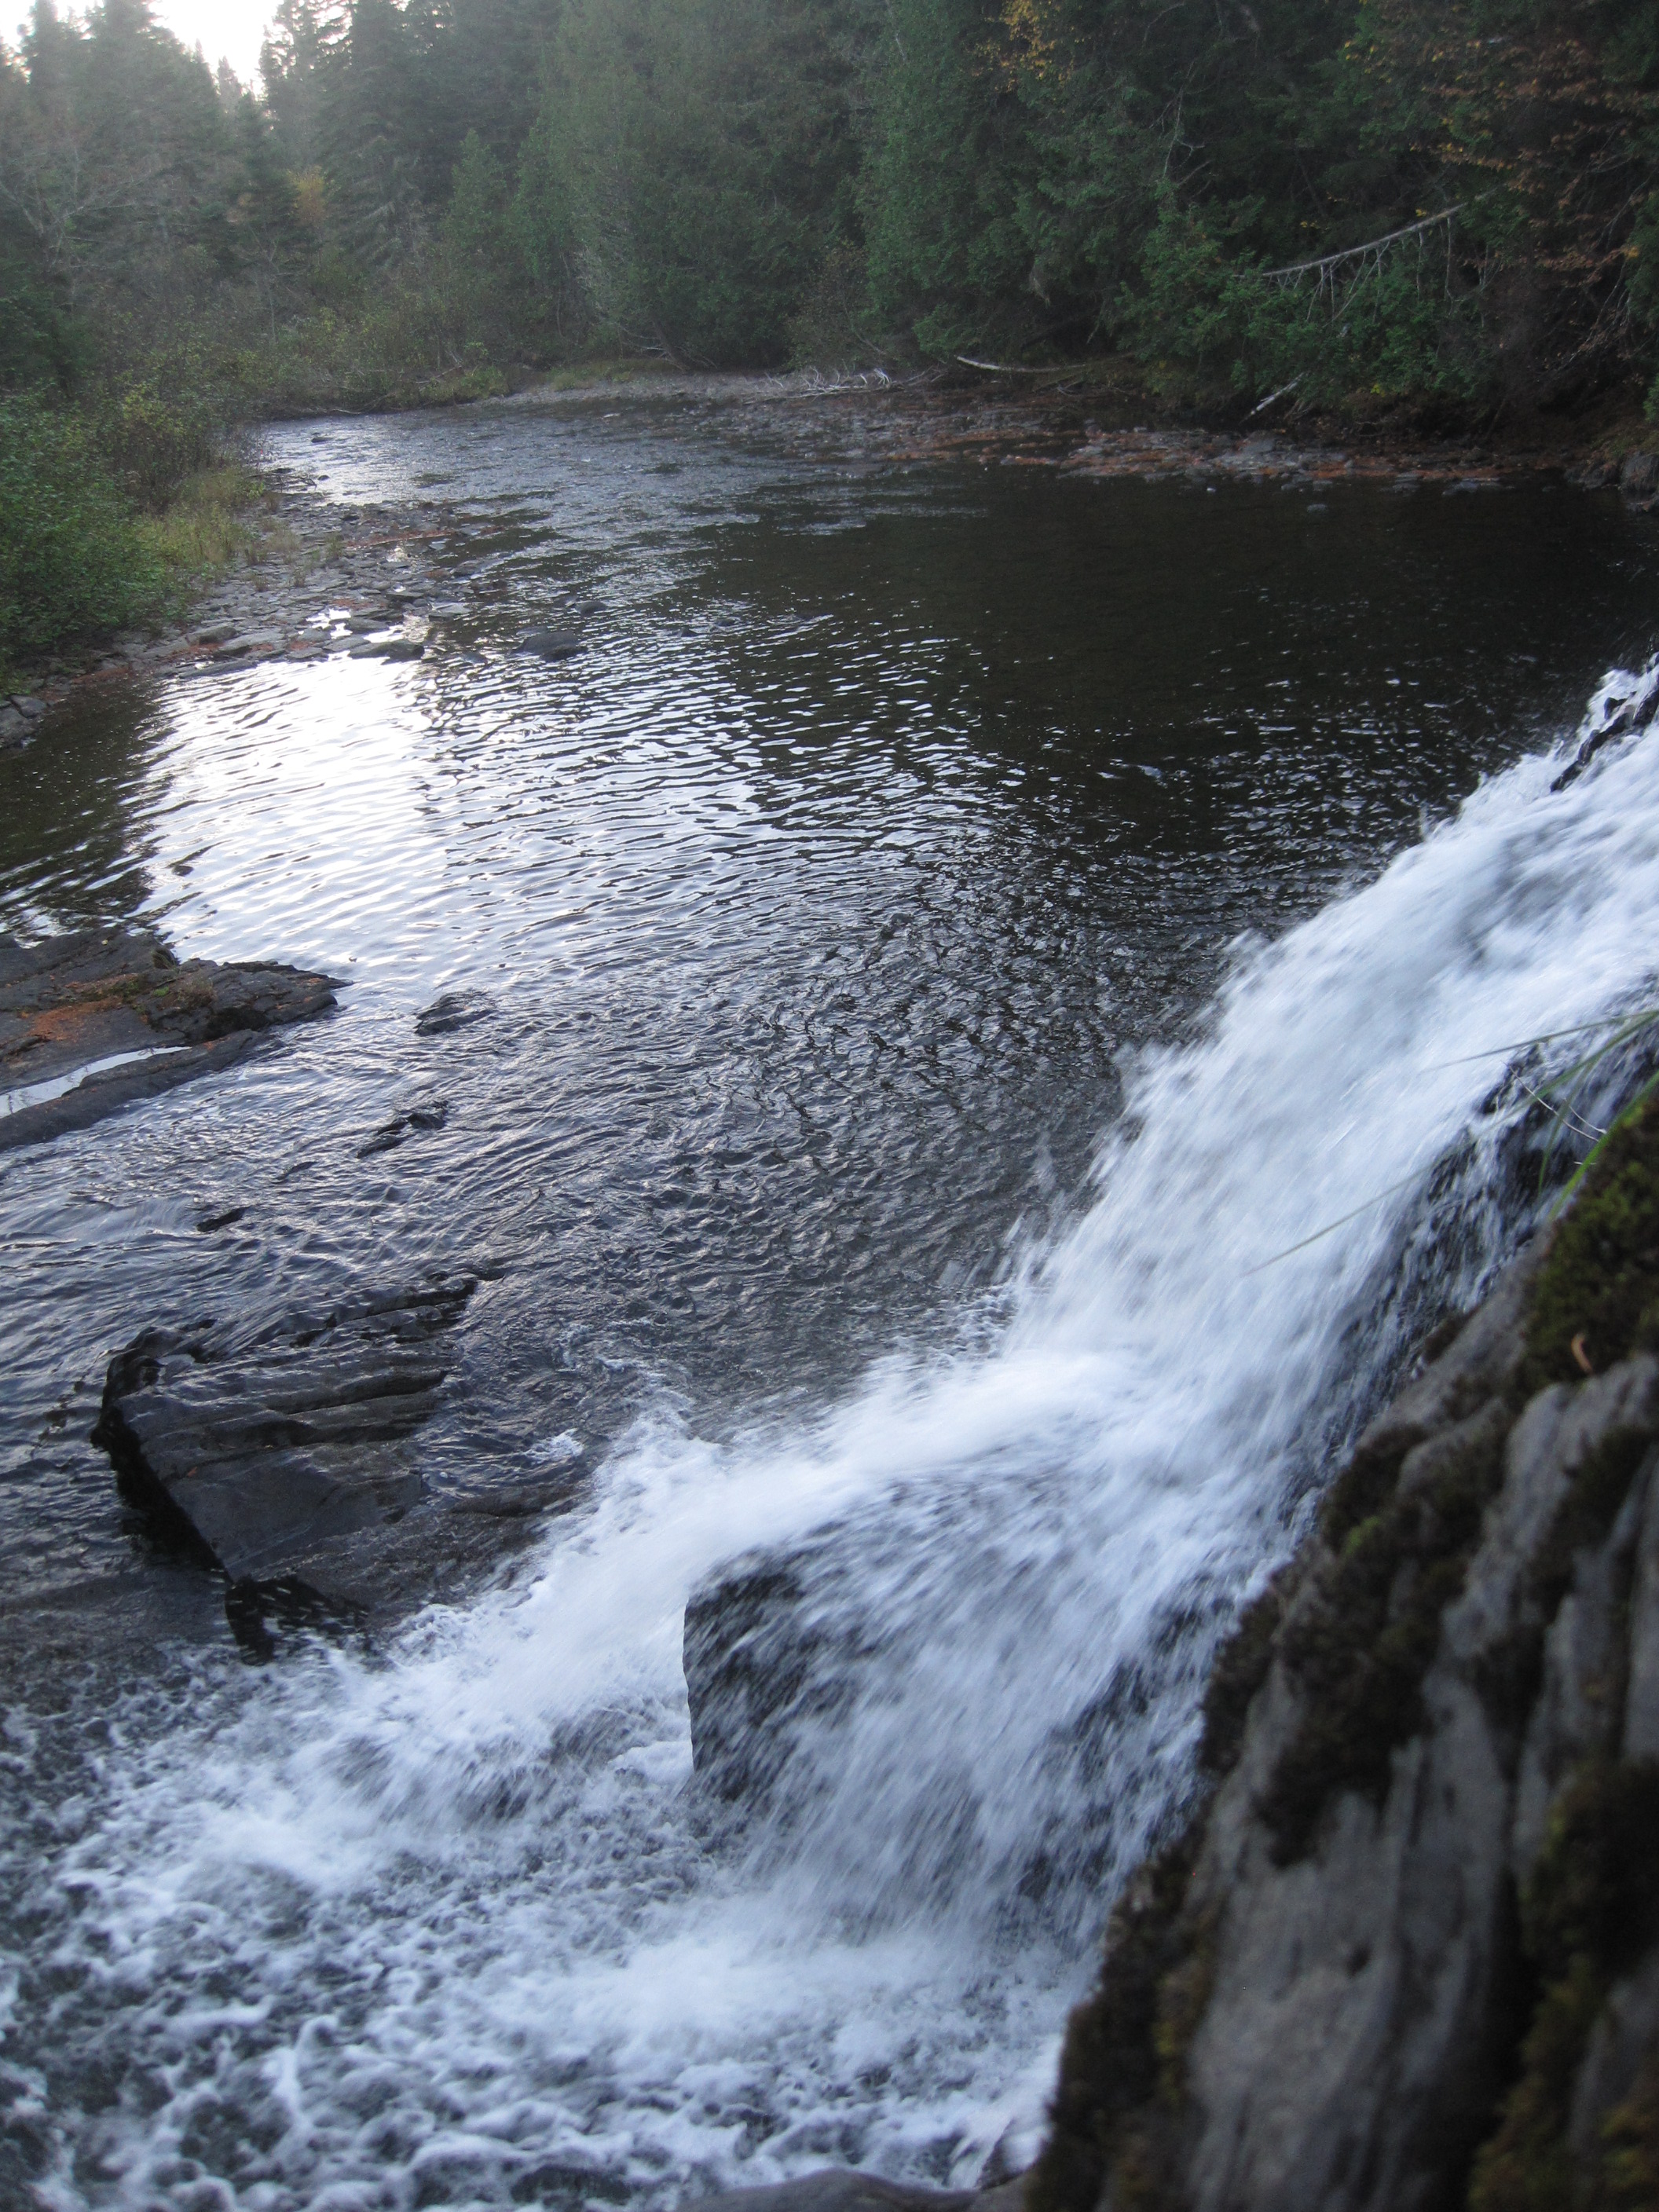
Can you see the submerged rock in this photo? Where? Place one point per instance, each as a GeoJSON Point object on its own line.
{"type": "Point", "coordinates": [552, 644]}
{"type": "Point", "coordinates": [82, 1001]}
{"type": "Point", "coordinates": [750, 1664]}
{"type": "Point", "coordinates": [455, 1010]}
{"type": "Point", "coordinates": [1413, 1935]}
{"type": "Point", "coordinates": [270, 1445]}
{"type": "Point", "coordinates": [409, 1121]}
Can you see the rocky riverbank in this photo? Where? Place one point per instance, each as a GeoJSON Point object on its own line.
{"type": "Point", "coordinates": [319, 579]}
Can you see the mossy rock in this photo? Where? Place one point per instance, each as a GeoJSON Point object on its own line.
{"type": "Point", "coordinates": [1241, 1668]}
{"type": "Point", "coordinates": [1598, 1290]}
{"type": "Point", "coordinates": [1591, 1907]}
{"type": "Point", "coordinates": [1356, 1622]}
{"type": "Point", "coordinates": [1120, 2053]}
{"type": "Point", "coordinates": [1358, 1653]}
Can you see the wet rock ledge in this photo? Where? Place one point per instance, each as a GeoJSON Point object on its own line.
{"type": "Point", "coordinates": [284, 1448]}
{"type": "Point", "coordinates": [73, 1004]}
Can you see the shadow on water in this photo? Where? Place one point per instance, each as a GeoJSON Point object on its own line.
{"type": "Point", "coordinates": [75, 820]}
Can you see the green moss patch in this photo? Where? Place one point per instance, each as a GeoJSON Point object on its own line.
{"type": "Point", "coordinates": [1240, 1669]}
{"type": "Point", "coordinates": [1360, 1654]}
{"type": "Point", "coordinates": [1525, 2167]}
{"type": "Point", "coordinates": [1599, 1287]}
{"type": "Point", "coordinates": [1362, 1489]}
{"type": "Point", "coordinates": [1113, 2074]}
{"type": "Point", "coordinates": [1595, 1891]}
{"type": "Point", "coordinates": [1629, 2179]}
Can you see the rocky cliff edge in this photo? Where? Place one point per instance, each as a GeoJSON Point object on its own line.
{"type": "Point", "coordinates": [1406, 1955]}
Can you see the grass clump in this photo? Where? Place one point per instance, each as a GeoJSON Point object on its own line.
{"type": "Point", "coordinates": [206, 527]}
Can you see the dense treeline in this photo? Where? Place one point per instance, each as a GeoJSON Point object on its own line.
{"type": "Point", "coordinates": [1445, 201]}
{"type": "Point", "coordinates": [417, 189]}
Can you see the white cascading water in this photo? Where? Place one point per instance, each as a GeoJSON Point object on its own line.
{"type": "Point", "coordinates": [442, 1927]}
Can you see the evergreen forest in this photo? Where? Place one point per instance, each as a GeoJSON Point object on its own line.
{"type": "Point", "coordinates": [1445, 205]}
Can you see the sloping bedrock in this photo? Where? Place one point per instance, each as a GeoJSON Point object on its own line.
{"type": "Point", "coordinates": [73, 1001]}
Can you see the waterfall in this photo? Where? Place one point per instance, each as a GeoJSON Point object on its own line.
{"type": "Point", "coordinates": [452, 1922]}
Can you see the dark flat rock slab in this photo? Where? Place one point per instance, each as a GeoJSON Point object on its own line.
{"type": "Point", "coordinates": [93, 995]}
{"type": "Point", "coordinates": [272, 1446]}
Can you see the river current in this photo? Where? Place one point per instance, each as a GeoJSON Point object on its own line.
{"type": "Point", "coordinates": [1008, 1007]}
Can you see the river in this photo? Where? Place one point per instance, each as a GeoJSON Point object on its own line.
{"type": "Point", "coordinates": [1000, 990]}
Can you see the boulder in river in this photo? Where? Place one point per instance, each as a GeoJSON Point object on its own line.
{"type": "Point", "coordinates": [115, 1008]}
{"type": "Point", "coordinates": [273, 1445]}
{"type": "Point", "coordinates": [749, 1659]}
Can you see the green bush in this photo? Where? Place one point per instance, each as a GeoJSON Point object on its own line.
{"type": "Point", "coordinates": [151, 443]}
{"type": "Point", "coordinates": [72, 556]}
{"type": "Point", "coordinates": [1392, 324]}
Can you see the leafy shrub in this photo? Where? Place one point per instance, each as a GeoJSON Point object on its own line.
{"type": "Point", "coordinates": [151, 443]}
{"type": "Point", "coordinates": [72, 556]}
{"type": "Point", "coordinates": [1392, 324]}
